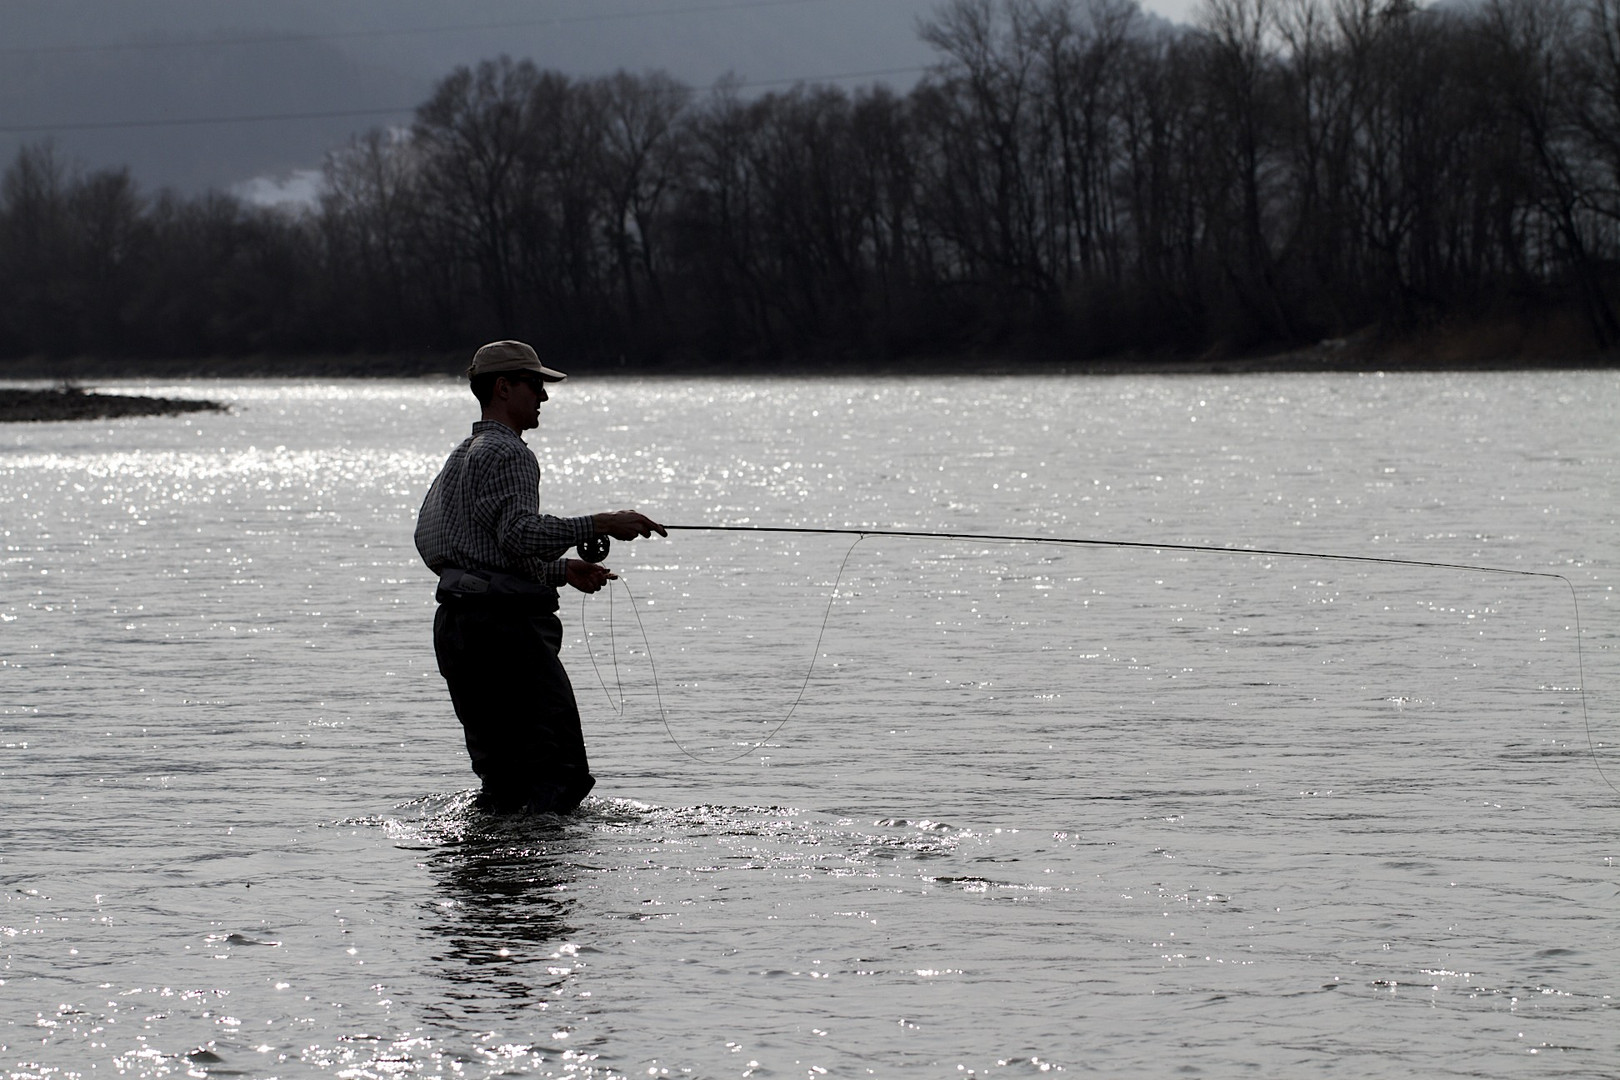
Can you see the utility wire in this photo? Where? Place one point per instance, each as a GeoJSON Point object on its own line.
{"type": "Point", "coordinates": [415, 31]}
{"type": "Point", "coordinates": [195, 121]}
{"type": "Point", "coordinates": [397, 110]}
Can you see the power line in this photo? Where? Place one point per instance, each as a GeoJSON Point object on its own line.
{"type": "Point", "coordinates": [197, 121]}
{"type": "Point", "coordinates": [912, 70]}
{"type": "Point", "coordinates": [455, 28]}
{"type": "Point", "coordinates": [398, 110]}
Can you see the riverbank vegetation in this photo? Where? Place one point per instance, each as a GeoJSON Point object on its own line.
{"type": "Point", "coordinates": [1073, 181]}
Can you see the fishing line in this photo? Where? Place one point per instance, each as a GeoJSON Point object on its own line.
{"type": "Point", "coordinates": [863, 534]}
{"type": "Point", "coordinates": [618, 708]}
{"type": "Point", "coordinates": [613, 649]}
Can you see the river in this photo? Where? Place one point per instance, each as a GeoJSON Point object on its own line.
{"type": "Point", "coordinates": [1123, 811]}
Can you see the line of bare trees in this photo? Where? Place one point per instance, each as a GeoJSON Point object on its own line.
{"type": "Point", "coordinates": [1073, 179]}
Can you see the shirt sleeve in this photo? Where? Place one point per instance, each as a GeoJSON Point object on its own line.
{"type": "Point", "coordinates": [429, 535]}
{"type": "Point", "coordinates": [508, 505]}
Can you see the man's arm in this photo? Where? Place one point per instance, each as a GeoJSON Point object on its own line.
{"type": "Point", "coordinates": [626, 525]}
{"type": "Point", "coordinates": [621, 525]}
{"type": "Point", "coordinates": [509, 504]}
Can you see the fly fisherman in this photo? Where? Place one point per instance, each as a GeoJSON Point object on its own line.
{"type": "Point", "coordinates": [500, 563]}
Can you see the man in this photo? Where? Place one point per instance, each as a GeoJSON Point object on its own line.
{"type": "Point", "coordinates": [500, 563]}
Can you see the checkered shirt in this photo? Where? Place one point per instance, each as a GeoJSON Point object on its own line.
{"type": "Point", "coordinates": [483, 512]}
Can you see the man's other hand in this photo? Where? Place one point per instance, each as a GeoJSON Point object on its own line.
{"type": "Point", "coordinates": [626, 525]}
{"type": "Point", "coordinates": [588, 577]}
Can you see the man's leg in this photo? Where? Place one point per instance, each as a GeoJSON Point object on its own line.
{"type": "Point", "coordinates": [557, 714]}
{"type": "Point", "coordinates": [516, 706]}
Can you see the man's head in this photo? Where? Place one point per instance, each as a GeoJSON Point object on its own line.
{"type": "Point", "coordinates": [510, 360]}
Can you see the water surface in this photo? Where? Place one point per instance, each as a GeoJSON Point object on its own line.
{"type": "Point", "coordinates": [1037, 808]}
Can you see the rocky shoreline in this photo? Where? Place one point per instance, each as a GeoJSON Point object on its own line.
{"type": "Point", "coordinates": [74, 403]}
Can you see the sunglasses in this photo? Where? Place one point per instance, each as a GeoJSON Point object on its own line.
{"type": "Point", "coordinates": [533, 382]}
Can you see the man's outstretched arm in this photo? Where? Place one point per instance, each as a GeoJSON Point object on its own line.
{"type": "Point", "coordinates": [626, 525]}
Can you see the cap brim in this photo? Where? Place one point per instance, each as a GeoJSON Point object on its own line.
{"type": "Point", "coordinates": [514, 367]}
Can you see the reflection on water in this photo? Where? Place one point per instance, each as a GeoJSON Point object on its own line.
{"type": "Point", "coordinates": [502, 907]}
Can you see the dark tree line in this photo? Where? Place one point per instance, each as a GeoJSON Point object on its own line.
{"type": "Point", "coordinates": [1073, 179]}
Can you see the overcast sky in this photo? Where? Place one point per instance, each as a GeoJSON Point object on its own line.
{"type": "Point", "coordinates": [106, 79]}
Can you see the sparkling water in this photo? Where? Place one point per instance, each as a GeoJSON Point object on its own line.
{"type": "Point", "coordinates": [866, 807]}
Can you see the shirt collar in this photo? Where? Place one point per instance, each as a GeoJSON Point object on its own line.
{"type": "Point", "coordinates": [481, 427]}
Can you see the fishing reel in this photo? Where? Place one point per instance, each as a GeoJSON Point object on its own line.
{"type": "Point", "coordinates": [595, 549]}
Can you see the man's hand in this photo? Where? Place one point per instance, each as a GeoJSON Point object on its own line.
{"type": "Point", "coordinates": [626, 525]}
{"type": "Point", "coordinates": [588, 577]}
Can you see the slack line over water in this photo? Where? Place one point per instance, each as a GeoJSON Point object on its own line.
{"type": "Point", "coordinates": [597, 548]}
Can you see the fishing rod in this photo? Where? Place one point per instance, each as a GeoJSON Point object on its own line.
{"type": "Point", "coordinates": [1088, 542]}
{"type": "Point", "coordinates": [596, 549]}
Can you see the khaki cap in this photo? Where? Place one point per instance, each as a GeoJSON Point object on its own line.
{"type": "Point", "coordinates": [500, 356]}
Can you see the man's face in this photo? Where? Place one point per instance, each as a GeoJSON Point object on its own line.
{"type": "Point", "coordinates": [528, 391]}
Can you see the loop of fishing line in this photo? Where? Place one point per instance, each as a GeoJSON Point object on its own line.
{"type": "Point", "coordinates": [864, 534]}
{"type": "Point", "coordinates": [618, 708]}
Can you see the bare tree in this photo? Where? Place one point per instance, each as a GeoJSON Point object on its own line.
{"type": "Point", "coordinates": [476, 135]}
{"type": "Point", "coordinates": [381, 248]}
{"type": "Point", "coordinates": [640, 164]}
{"type": "Point", "coordinates": [1530, 42]}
